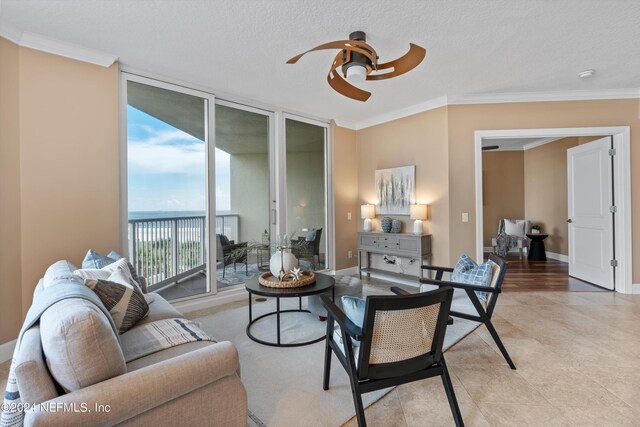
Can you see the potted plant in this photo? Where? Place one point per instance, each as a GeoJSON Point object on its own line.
{"type": "Point", "coordinates": [535, 229]}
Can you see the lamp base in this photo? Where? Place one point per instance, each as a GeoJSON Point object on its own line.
{"type": "Point", "coordinates": [417, 227]}
{"type": "Point", "coordinates": [367, 225]}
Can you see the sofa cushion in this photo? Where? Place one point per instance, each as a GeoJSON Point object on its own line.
{"type": "Point", "coordinates": [33, 378]}
{"type": "Point", "coordinates": [125, 301]}
{"type": "Point", "coordinates": [79, 344]}
{"type": "Point", "coordinates": [311, 235]}
{"type": "Point", "coordinates": [166, 354]}
{"type": "Point", "coordinates": [159, 309]}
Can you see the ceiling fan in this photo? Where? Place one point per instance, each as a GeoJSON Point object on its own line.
{"type": "Point", "coordinates": [358, 61]}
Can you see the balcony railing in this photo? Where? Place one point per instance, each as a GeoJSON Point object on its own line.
{"type": "Point", "coordinates": [166, 250]}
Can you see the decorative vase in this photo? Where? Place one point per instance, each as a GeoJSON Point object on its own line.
{"type": "Point", "coordinates": [534, 231]}
{"type": "Point", "coordinates": [396, 226]}
{"type": "Point", "coordinates": [386, 224]}
{"type": "Point", "coordinates": [282, 262]}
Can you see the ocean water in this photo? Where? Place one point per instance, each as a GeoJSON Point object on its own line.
{"type": "Point", "coordinates": [164, 214]}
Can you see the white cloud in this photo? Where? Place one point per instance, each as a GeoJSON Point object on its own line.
{"type": "Point", "coordinates": [171, 151]}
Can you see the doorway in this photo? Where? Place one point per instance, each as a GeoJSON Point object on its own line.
{"type": "Point", "coordinates": [621, 246]}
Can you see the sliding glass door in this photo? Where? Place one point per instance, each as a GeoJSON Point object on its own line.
{"type": "Point", "coordinates": [306, 190]}
{"type": "Point", "coordinates": [168, 175]}
{"type": "Point", "coordinates": [243, 192]}
{"type": "Point", "coordinates": [203, 212]}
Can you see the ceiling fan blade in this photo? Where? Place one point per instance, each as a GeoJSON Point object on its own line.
{"type": "Point", "coordinates": [353, 45]}
{"type": "Point", "coordinates": [490, 147]}
{"type": "Point", "coordinates": [405, 63]}
{"type": "Point", "coordinates": [341, 86]}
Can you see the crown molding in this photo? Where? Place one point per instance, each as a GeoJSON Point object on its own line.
{"type": "Point", "coordinates": [578, 95]}
{"type": "Point", "coordinates": [432, 104]}
{"type": "Point", "coordinates": [496, 98]}
{"type": "Point", "coordinates": [56, 47]}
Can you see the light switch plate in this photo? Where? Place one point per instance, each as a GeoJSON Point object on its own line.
{"type": "Point", "coordinates": [465, 217]}
{"type": "Point", "coordinates": [348, 215]}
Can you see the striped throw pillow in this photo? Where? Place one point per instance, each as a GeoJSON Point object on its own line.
{"type": "Point", "coordinates": [122, 297]}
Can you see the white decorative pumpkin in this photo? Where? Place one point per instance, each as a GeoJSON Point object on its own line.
{"type": "Point", "coordinates": [288, 262]}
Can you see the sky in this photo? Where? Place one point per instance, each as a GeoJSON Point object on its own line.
{"type": "Point", "coordinates": [167, 168]}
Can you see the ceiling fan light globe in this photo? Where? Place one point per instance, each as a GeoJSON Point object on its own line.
{"type": "Point", "coordinates": [356, 74]}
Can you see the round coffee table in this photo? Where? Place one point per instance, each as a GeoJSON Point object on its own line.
{"type": "Point", "coordinates": [323, 284]}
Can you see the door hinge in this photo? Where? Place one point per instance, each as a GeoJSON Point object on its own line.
{"type": "Point", "coordinates": [612, 151]}
{"type": "Point", "coordinates": [613, 209]}
{"type": "Point", "coordinates": [614, 263]}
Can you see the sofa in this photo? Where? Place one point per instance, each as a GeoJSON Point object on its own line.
{"type": "Point", "coordinates": [197, 383]}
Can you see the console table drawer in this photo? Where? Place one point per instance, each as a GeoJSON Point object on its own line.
{"type": "Point", "coordinates": [387, 245]}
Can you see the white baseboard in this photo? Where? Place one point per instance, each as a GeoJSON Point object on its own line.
{"type": "Point", "coordinates": [558, 257]}
{"type": "Point", "coordinates": [6, 350]}
{"type": "Point", "coordinates": [220, 298]}
{"type": "Point", "coordinates": [635, 288]}
{"type": "Point", "coordinates": [394, 279]}
{"type": "Point", "coordinates": [345, 271]}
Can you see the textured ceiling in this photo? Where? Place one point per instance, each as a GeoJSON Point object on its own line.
{"type": "Point", "coordinates": [239, 47]}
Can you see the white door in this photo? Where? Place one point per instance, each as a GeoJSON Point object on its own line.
{"type": "Point", "coordinates": [590, 220]}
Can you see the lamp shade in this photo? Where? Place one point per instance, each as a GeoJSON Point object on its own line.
{"type": "Point", "coordinates": [368, 211]}
{"type": "Point", "coordinates": [418, 211]}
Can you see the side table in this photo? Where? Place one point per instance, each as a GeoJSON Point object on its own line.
{"type": "Point", "coordinates": [536, 247]}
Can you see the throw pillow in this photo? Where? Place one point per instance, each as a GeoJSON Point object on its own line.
{"type": "Point", "coordinates": [311, 235]}
{"type": "Point", "coordinates": [353, 307]}
{"type": "Point", "coordinates": [105, 272]}
{"type": "Point", "coordinates": [125, 301]}
{"type": "Point", "coordinates": [467, 271]}
{"type": "Point", "coordinates": [224, 240]}
{"type": "Point", "coordinates": [514, 227]}
{"type": "Point", "coordinates": [134, 274]}
{"type": "Point", "coordinates": [94, 259]}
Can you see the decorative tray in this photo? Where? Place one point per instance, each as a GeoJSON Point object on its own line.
{"type": "Point", "coordinates": [269, 280]}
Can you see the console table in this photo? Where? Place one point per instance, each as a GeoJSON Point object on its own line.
{"type": "Point", "coordinates": [403, 245]}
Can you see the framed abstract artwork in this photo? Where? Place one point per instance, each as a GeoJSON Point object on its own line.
{"type": "Point", "coordinates": [396, 190]}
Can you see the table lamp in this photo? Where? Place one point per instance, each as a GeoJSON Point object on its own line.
{"type": "Point", "coordinates": [367, 212]}
{"type": "Point", "coordinates": [418, 212]}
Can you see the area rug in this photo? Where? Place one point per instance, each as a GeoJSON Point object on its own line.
{"type": "Point", "coordinates": [284, 385]}
{"type": "Point", "coordinates": [236, 277]}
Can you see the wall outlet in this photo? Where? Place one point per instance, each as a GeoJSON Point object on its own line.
{"type": "Point", "coordinates": [465, 217]}
{"type": "Point", "coordinates": [350, 254]}
{"type": "Point", "coordinates": [349, 218]}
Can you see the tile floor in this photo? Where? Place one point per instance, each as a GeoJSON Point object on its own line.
{"type": "Point", "coordinates": [578, 359]}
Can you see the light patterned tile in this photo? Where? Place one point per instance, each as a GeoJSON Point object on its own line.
{"type": "Point", "coordinates": [509, 415]}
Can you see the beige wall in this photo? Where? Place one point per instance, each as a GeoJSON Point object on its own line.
{"type": "Point", "coordinates": [419, 140]}
{"type": "Point", "coordinates": [10, 241]}
{"type": "Point", "coordinates": [69, 165]}
{"type": "Point", "coordinates": [345, 195]}
{"type": "Point", "coordinates": [464, 120]}
{"type": "Point", "coordinates": [503, 189]}
{"type": "Point", "coordinates": [545, 181]}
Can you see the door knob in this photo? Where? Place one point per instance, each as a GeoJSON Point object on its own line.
{"type": "Point", "coordinates": [569, 220]}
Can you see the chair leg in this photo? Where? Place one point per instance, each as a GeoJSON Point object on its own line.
{"type": "Point", "coordinates": [496, 338]}
{"type": "Point", "coordinates": [224, 270]}
{"type": "Point", "coordinates": [451, 395]}
{"type": "Point", "coordinates": [327, 357]}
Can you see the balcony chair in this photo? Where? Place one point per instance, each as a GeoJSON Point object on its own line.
{"type": "Point", "coordinates": [481, 311]}
{"type": "Point", "coordinates": [307, 247]}
{"type": "Point", "coordinates": [228, 252]}
{"type": "Point", "coordinates": [399, 340]}
{"type": "Point", "coordinates": [512, 233]}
